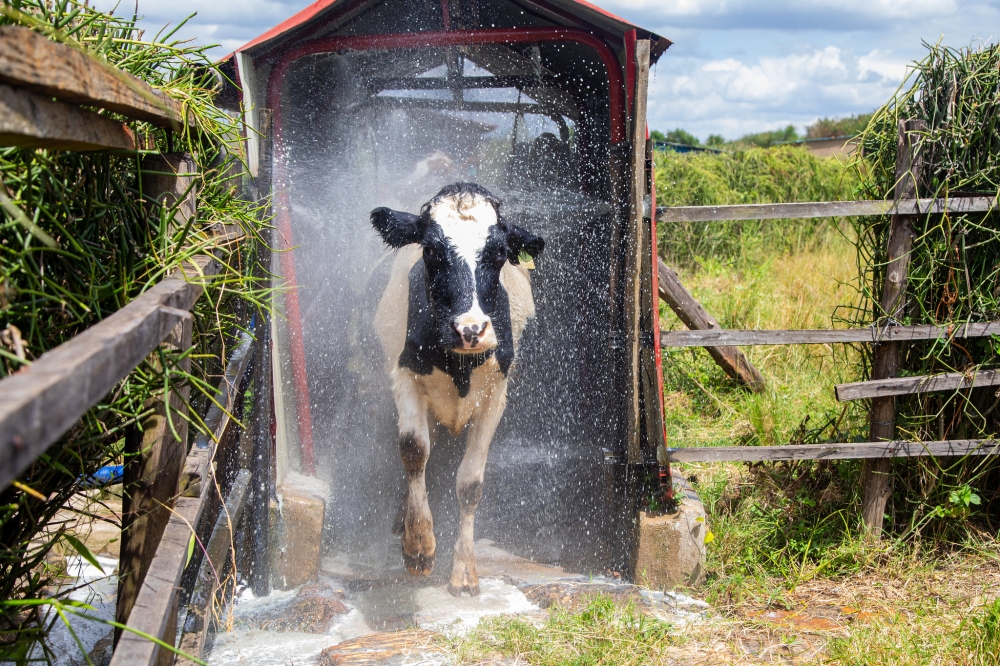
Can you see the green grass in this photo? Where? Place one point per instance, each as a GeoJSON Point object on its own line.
{"type": "Point", "coordinates": [602, 633]}
{"type": "Point", "coordinates": [754, 175]}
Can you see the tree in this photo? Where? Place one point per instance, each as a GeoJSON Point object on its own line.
{"type": "Point", "coordinates": [675, 136]}
{"type": "Point", "coordinates": [715, 141]}
{"type": "Point", "coordinates": [767, 139]}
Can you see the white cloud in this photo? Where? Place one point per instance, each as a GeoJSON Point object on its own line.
{"type": "Point", "coordinates": [730, 96]}
{"type": "Point", "coordinates": [783, 14]}
{"type": "Point", "coordinates": [738, 66]}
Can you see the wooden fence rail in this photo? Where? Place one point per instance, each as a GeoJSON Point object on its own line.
{"type": "Point", "coordinates": [873, 334]}
{"type": "Point", "coordinates": [156, 605]}
{"type": "Point", "coordinates": [880, 388]}
{"type": "Point", "coordinates": [43, 401]}
{"type": "Point", "coordinates": [35, 63]}
{"type": "Point", "coordinates": [813, 209]}
{"type": "Point", "coordinates": [862, 450]}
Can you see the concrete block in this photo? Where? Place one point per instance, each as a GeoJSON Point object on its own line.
{"type": "Point", "coordinates": [297, 526]}
{"type": "Point", "coordinates": [672, 546]}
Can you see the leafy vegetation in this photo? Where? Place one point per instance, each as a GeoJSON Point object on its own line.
{"type": "Point", "coordinates": [954, 277]}
{"type": "Point", "coordinates": [754, 175]}
{"type": "Point", "coordinates": [769, 138]}
{"type": "Point", "coordinates": [676, 136]}
{"type": "Point", "coordinates": [79, 240]}
{"type": "Point", "coordinates": [831, 127]}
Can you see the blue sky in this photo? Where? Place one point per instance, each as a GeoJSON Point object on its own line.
{"type": "Point", "coordinates": [736, 66]}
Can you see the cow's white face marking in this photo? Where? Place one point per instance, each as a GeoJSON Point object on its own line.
{"type": "Point", "coordinates": [466, 221]}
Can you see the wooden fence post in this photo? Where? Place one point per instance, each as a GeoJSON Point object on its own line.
{"type": "Point", "coordinates": [634, 243]}
{"type": "Point", "coordinates": [154, 456]}
{"type": "Point", "coordinates": [875, 473]}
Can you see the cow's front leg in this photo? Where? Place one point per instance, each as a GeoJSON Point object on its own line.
{"type": "Point", "coordinates": [469, 489]}
{"type": "Point", "coordinates": [414, 450]}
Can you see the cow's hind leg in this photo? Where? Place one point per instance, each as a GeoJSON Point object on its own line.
{"type": "Point", "coordinates": [469, 489]}
{"type": "Point", "coordinates": [414, 449]}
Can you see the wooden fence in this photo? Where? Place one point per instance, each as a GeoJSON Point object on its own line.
{"type": "Point", "coordinates": [171, 488]}
{"type": "Point", "coordinates": [886, 338]}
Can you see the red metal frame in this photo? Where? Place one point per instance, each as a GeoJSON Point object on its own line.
{"type": "Point", "coordinates": [318, 7]}
{"type": "Point", "coordinates": [390, 42]}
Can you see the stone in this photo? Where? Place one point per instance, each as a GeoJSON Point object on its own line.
{"type": "Point", "coordinates": [575, 596]}
{"type": "Point", "coordinates": [671, 549]}
{"type": "Point", "coordinates": [312, 611]}
{"type": "Point", "coordinates": [298, 528]}
{"type": "Point", "coordinates": [383, 649]}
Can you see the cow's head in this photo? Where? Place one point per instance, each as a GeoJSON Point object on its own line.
{"type": "Point", "coordinates": [465, 242]}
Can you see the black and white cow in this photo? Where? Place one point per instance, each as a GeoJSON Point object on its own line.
{"type": "Point", "coordinates": [449, 322]}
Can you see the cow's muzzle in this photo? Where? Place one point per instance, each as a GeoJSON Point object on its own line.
{"type": "Point", "coordinates": [476, 334]}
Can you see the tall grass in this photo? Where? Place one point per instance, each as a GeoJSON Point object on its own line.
{"type": "Point", "coordinates": [78, 241]}
{"type": "Point", "coordinates": [753, 175]}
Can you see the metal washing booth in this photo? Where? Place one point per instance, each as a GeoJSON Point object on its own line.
{"type": "Point", "coordinates": [354, 104]}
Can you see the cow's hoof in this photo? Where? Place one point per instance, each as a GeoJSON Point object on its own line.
{"type": "Point", "coordinates": [457, 590]}
{"type": "Point", "coordinates": [419, 564]}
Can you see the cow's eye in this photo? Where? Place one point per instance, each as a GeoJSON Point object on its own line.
{"type": "Point", "coordinates": [501, 255]}
{"type": "Point", "coordinates": [429, 252]}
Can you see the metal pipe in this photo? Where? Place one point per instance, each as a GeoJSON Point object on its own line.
{"type": "Point", "coordinates": [391, 42]}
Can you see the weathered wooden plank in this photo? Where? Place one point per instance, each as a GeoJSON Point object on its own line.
{"type": "Point", "coordinates": [28, 120]}
{"type": "Point", "coordinates": [152, 610]}
{"type": "Point", "coordinates": [153, 455]}
{"type": "Point", "coordinates": [718, 336]}
{"type": "Point", "coordinates": [696, 318]}
{"type": "Point", "coordinates": [813, 209]}
{"type": "Point", "coordinates": [40, 403]}
{"type": "Point", "coordinates": [875, 474]}
{"type": "Point", "coordinates": [635, 242]}
{"type": "Point", "coordinates": [197, 467]}
{"type": "Point", "coordinates": [880, 388]}
{"type": "Point", "coordinates": [868, 450]}
{"type": "Point", "coordinates": [216, 561]}
{"type": "Point", "coordinates": [155, 605]}
{"type": "Point", "coordinates": [32, 61]}
{"type": "Point", "coordinates": [153, 460]}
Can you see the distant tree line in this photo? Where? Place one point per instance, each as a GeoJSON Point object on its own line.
{"type": "Point", "coordinates": [821, 129]}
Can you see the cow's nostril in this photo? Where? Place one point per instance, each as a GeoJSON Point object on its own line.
{"type": "Point", "coordinates": [485, 325]}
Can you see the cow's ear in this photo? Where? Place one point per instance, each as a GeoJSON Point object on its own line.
{"type": "Point", "coordinates": [395, 227]}
{"type": "Point", "coordinates": [520, 240]}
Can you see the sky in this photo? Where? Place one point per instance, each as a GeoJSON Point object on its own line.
{"type": "Point", "coordinates": [736, 66]}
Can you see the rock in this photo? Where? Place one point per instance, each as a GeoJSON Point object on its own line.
{"type": "Point", "coordinates": [383, 649]}
{"type": "Point", "coordinates": [574, 597]}
{"type": "Point", "coordinates": [312, 611]}
{"type": "Point", "coordinates": [298, 526]}
{"type": "Point", "coordinates": [100, 654]}
{"type": "Point", "coordinates": [672, 546]}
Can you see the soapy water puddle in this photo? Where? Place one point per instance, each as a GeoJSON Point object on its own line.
{"type": "Point", "coordinates": [379, 606]}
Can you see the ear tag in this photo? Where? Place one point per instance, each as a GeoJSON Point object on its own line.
{"type": "Point", "coordinates": [525, 260]}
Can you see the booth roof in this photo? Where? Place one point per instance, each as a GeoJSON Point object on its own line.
{"type": "Point", "coordinates": [581, 9]}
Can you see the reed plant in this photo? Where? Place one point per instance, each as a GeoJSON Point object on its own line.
{"type": "Point", "coordinates": [954, 277]}
{"type": "Point", "coordinates": [78, 241]}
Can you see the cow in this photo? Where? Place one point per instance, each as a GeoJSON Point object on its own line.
{"type": "Point", "coordinates": [450, 320]}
